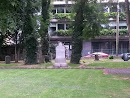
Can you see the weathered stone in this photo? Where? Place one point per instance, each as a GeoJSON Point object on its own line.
{"type": "Point", "coordinates": [60, 60]}
{"type": "Point", "coordinates": [96, 58]}
{"type": "Point", "coordinates": [7, 59]}
{"type": "Point", "coordinates": [126, 56]}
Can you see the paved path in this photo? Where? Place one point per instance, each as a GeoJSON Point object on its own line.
{"type": "Point", "coordinates": [116, 71]}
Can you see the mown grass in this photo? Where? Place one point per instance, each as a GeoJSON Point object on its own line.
{"type": "Point", "coordinates": [7, 65]}
{"type": "Point", "coordinates": [106, 63]}
{"type": "Point", "coordinates": [61, 83]}
{"type": "Point", "coordinates": [46, 64]}
{"type": "Point", "coordinates": [110, 64]}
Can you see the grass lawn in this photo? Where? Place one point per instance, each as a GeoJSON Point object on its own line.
{"type": "Point", "coordinates": [22, 64]}
{"type": "Point", "coordinates": [7, 65]}
{"type": "Point", "coordinates": [61, 83]}
{"type": "Point", "coordinates": [106, 63]}
{"type": "Point", "coordinates": [110, 64]}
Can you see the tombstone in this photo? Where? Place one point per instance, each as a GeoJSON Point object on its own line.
{"type": "Point", "coordinates": [96, 57]}
{"type": "Point", "coordinates": [7, 60]}
{"type": "Point", "coordinates": [126, 56]}
{"type": "Point", "coordinates": [60, 61]}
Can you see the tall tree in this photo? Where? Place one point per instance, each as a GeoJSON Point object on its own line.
{"type": "Point", "coordinates": [9, 18]}
{"type": "Point", "coordinates": [30, 41]}
{"type": "Point", "coordinates": [117, 27]}
{"type": "Point", "coordinates": [77, 32]}
{"type": "Point", "coordinates": [86, 25]}
{"type": "Point", "coordinates": [127, 7]}
{"type": "Point", "coordinates": [44, 29]}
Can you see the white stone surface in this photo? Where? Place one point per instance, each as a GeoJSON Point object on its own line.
{"type": "Point", "coordinates": [60, 60]}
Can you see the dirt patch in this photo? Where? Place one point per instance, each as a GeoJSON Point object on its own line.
{"type": "Point", "coordinates": [128, 89]}
{"type": "Point", "coordinates": [105, 72]}
{"type": "Point", "coordinates": [125, 78]}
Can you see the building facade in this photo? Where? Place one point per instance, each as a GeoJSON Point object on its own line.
{"type": "Point", "coordinates": [60, 23]}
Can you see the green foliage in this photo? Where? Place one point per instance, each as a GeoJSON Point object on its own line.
{"type": "Point", "coordinates": [113, 32]}
{"type": "Point", "coordinates": [64, 16]}
{"type": "Point", "coordinates": [92, 26]}
{"type": "Point", "coordinates": [114, 15]}
{"type": "Point", "coordinates": [62, 33]}
{"type": "Point", "coordinates": [8, 14]}
{"type": "Point", "coordinates": [111, 57]}
{"type": "Point", "coordinates": [78, 26]}
{"type": "Point", "coordinates": [44, 28]}
{"type": "Point", "coordinates": [87, 25]}
{"type": "Point", "coordinates": [30, 41]}
{"type": "Point", "coordinates": [31, 51]}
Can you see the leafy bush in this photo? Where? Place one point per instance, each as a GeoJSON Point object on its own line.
{"type": "Point", "coordinates": [113, 15]}
{"type": "Point", "coordinates": [113, 32]}
{"type": "Point", "coordinates": [111, 57]}
{"type": "Point", "coordinates": [64, 15]}
{"type": "Point", "coordinates": [62, 33]}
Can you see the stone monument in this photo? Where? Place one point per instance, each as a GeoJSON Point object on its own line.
{"type": "Point", "coordinates": [7, 60]}
{"type": "Point", "coordinates": [60, 61]}
{"type": "Point", "coordinates": [126, 56]}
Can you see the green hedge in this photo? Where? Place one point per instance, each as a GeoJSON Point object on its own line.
{"type": "Point", "coordinates": [103, 32]}
{"type": "Point", "coordinates": [62, 33]}
{"type": "Point", "coordinates": [113, 32]}
{"type": "Point", "coordinates": [106, 14]}
{"type": "Point", "coordinates": [64, 15]}
{"type": "Point", "coordinates": [114, 15]}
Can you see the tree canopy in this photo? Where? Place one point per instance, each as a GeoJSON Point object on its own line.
{"type": "Point", "coordinates": [87, 25]}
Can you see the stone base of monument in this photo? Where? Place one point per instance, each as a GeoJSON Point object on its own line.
{"type": "Point", "coordinates": [60, 63]}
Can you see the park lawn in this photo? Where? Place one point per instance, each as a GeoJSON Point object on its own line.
{"type": "Point", "coordinates": [110, 64]}
{"type": "Point", "coordinates": [49, 64]}
{"type": "Point", "coordinates": [8, 65]}
{"type": "Point", "coordinates": [105, 63]}
{"type": "Point", "coordinates": [12, 65]}
{"type": "Point", "coordinates": [61, 83]}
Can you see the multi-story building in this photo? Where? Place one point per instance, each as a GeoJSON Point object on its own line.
{"type": "Point", "coordinates": [104, 43]}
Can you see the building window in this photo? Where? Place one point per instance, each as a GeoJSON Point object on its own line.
{"type": "Point", "coordinates": [123, 27]}
{"type": "Point", "coordinates": [112, 27]}
{"type": "Point", "coordinates": [106, 9]}
{"type": "Point", "coordinates": [67, 26]}
{"type": "Point", "coordinates": [60, 10]}
{"type": "Point", "coordinates": [68, 10]}
{"type": "Point", "coordinates": [61, 26]}
{"type": "Point", "coordinates": [54, 11]}
{"type": "Point", "coordinates": [113, 8]}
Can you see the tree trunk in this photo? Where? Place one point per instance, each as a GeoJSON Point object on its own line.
{"type": "Point", "coordinates": [16, 46]}
{"type": "Point", "coordinates": [117, 27]}
{"type": "Point", "coordinates": [44, 28]}
{"type": "Point", "coordinates": [77, 33]}
{"type": "Point", "coordinates": [16, 54]}
{"type": "Point", "coordinates": [128, 19]}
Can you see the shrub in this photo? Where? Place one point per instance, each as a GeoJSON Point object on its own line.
{"type": "Point", "coordinates": [113, 32]}
{"type": "Point", "coordinates": [64, 16]}
{"type": "Point", "coordinates": [114, 15]}
{"type": "Point", "coordinates": [62, 33]}
{"type": "Point", "coordinates": [111, 57]}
